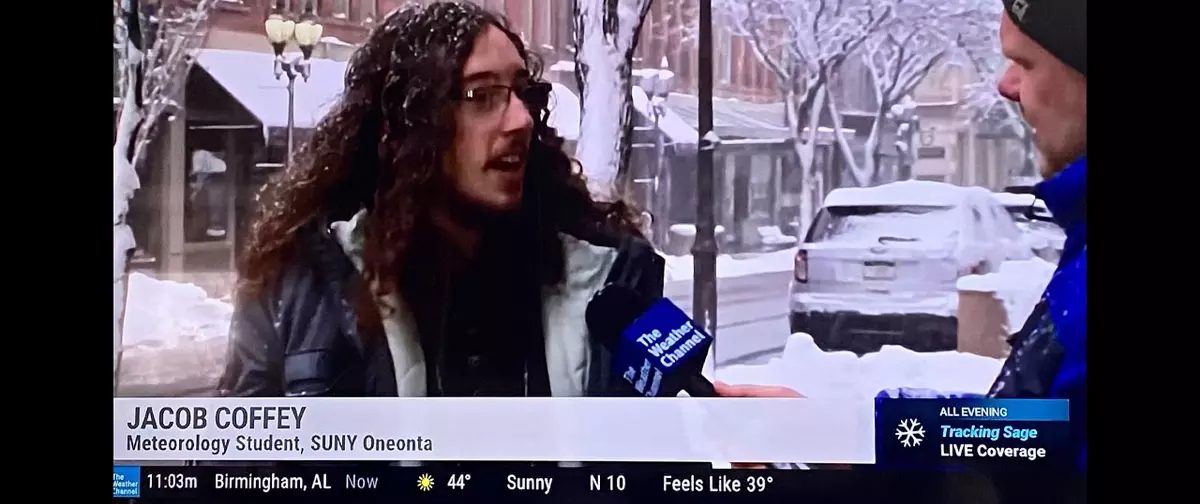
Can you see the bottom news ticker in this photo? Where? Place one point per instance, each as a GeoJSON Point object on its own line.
{"type": "Point", "coordinates": [533, 483]}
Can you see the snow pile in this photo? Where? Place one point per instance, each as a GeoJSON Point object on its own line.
{"type": "Point", "coordinates": [683, 267]}
{"type": "Point", "coordinates": [1018, 284]}
{"type": "Point", "coordinates": [815, 373]}
{"type": "Point", "coordinates": [174, 337]}
{"type": "Point", "coordinates": [562, 66]}
{"type": "Point", "coordinates": [689, 230]}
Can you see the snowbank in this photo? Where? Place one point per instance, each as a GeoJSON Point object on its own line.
{"type": "Point", "coordinates": [816, 373]}
{"type": "Point", "coordinates": [1018, 284]}
{"type": "Point", "coordinates": [174, 337]}
{"type": "Point", "coordinates": [683, 267]}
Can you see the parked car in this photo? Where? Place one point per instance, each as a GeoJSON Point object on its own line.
{"type": "Point", "coordinates": [1035, 221]}
{"type": "Point", "coordinates": [880, 265]}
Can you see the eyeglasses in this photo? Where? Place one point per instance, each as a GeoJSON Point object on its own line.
{"type": "Point", "coordinates": [493, 100]}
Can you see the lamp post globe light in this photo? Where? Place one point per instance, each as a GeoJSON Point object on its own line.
{"type": "Point", "coordinates": [281, 30]}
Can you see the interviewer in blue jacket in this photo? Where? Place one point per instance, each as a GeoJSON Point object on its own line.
{"type": "Point", "coordinates": [1046, 41]}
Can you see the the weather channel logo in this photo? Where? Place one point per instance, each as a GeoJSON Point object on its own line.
{"type": "Point", "coordinates": [127, 481]}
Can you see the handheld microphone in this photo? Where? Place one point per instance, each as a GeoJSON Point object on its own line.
{"type": "Point", "coordinates": [656, 348]}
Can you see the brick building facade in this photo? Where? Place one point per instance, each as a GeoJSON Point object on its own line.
{"type": "Point", "coordinates": [545, 24]}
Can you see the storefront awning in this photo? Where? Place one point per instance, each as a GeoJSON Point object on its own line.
{"type": "Point", "coordinates": [249, 77]}
{"type": "Point", "coordinates": [672, 124]}
{"type": "Point", "coordinates": [735, 119]}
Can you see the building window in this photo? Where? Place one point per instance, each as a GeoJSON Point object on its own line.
{"type": "Point", "coordinates": [367, 11]}
{"type": "Point", "coordinates": [724, 56]}
{"type": "Point", "coordinates": [527, 25]}
{"type": "Point", "coordinates": [545, 25]}
{"type": "Point", "coordinates": [206, 206]}
{"type": "Point", "coordinates": [564, 29]}
{"type": "Point", "coordinates": [339, 9]}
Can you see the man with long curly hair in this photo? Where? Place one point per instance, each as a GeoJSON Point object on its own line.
{"type": "Point", "coordinates": [434, 239]}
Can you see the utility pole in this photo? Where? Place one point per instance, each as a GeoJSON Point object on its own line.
{"type": "Point", "coordinates": [704, 250]}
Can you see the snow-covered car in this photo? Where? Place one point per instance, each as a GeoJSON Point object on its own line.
{"type": "Point", "coordinates": [879, 265]}
{"type": "Point", "coordinates": [1034, 220]}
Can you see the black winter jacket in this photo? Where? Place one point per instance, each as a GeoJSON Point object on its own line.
{"type": "Point", "coordinates": [302, 337]}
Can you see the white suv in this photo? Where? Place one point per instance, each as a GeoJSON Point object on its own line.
{"type": "Point", "coordinates": [880, 265]}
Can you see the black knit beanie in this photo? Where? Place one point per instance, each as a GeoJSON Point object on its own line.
{"type": "Point", "coordinates": [1059, 26]}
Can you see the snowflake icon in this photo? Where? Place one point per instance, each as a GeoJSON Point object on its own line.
{"type": "Point", "coordinates": [910, 432]}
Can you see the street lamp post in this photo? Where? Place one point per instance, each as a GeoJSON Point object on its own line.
{"type": "Point", "coordinates": [704, 250]}
{"type": "Point", "coordinates": [280, 31]}
{"type": "Point", "coordinates": [908, 126]}
{"type": "Point", "coordinates": [657, 85]}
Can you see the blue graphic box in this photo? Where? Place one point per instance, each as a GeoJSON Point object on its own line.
{"type": "Point", "coordinates": [979, 432]}
{"type": "Point", "coordinates": [127, 481]}
{"type": "Point", "coordinates": [659, 349]}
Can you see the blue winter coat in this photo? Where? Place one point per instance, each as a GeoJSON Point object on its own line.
{"type": "Point", "coordinates": [1049, 354]}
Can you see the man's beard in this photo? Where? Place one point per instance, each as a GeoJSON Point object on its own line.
{"type": "Point", "coordinates": [473, 215]}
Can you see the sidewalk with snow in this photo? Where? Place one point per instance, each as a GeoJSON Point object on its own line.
{"type": "Point", "coordinates": [728, 266]}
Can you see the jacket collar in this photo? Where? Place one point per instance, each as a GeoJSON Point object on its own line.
{"type": "Point", "coordinates": [1065, 194]}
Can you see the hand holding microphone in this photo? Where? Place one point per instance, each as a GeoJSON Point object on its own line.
{"type": "Point", "coordinates": [724, 390]}
{"type": "Point", "coordinates": [657, 350]}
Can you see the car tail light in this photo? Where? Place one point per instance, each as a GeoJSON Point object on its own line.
{"type": "Point", "coordinates": [801, 269]}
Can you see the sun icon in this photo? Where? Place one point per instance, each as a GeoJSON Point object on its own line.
{"type": "Point", "coordinates": [425, 482]}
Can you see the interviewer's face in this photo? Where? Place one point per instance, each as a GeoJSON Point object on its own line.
{"type": "Point", "coordinates": [493, 125]}
{"type": "Point", "coordinates": [1052, 96]}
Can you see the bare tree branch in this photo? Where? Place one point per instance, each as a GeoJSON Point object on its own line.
{"type": "Point", "coordinates": [175, 32]}
{"type": "Point", "coordinates": [804, 43]}
{"type": "Point", "coordinates": [896, 58]}
{"type": "Point", "coordinates": [977, 49]}
{"type": "Point", "coordinates": [155, 47]}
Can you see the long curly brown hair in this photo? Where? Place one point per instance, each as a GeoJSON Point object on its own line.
{"type": "Point", "coordinates": [381, 148]}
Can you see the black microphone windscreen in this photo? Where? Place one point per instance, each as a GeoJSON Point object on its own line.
{"type": "Point", "coordinates": [611, 310]}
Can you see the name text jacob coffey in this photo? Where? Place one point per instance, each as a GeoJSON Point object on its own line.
{"type": "Point", "coordinates": [158, 429]}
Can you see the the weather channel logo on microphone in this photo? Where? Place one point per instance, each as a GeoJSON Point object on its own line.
{"type": "Point", "coordinates": [127, 481]}
{"type": "Point", "coordinates": [661, 344]}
